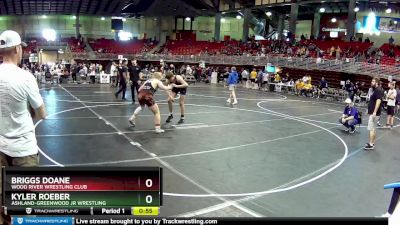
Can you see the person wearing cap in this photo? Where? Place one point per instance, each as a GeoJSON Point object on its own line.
{"type": "Point", "coordinates": [350, 117]}
{"type": "Point", "coordinates": [20, 101]}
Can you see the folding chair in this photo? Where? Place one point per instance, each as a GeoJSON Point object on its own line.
{"type": "Point", "coordinates": [55, 78]}
{"type": "Point", "coordinates": [48, 77]}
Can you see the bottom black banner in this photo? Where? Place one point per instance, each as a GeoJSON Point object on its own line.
{"type": "Point", "coordinates": [68, 220]}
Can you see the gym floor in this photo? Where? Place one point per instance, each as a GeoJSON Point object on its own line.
{"type": "Point", "coordinates": [271, 155]}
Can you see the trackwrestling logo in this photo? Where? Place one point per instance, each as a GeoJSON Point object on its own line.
{"type": "Point", "coordinates": [28, 211]}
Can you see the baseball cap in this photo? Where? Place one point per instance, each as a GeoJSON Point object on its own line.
{"type": "Point", "coordinates": [10, 38]}
{"type": "Point", "coordinates": [347, 101]}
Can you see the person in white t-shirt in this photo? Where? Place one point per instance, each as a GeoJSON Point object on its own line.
{"type": "Point", "coordinates": [20, 100]}
{"type": "Point", "coordinates": [245, 78]}
{"type": "Point", "coordinates": [189, 70]}
{"type": "Point", "coordinates": [265, 80]}
{"type": "Point", "coordinates": [113, 72]}
{"type": "Point", "coordinates": [391, 104]}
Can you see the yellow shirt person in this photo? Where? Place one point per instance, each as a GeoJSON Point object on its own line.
{"type": "Point", "coordinates": [253, 75]}
{"type": "Point", "coordinates": [307, 86]}
{"type": "Point", "coordinates": [277, 78]}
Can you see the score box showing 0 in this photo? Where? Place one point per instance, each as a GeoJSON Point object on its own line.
{"type": "Point", "coordinates": [82, 187]}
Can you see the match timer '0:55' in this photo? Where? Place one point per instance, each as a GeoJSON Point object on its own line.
{"type": "Point", "coordinates": [145, 211]}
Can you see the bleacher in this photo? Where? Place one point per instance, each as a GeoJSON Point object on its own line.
{"type": "Point", "coordinates": [326, 45]}
{"type": "Point", "coordinates": [231, 47]}
{"type": "Point", "coordinates": [74, 44]}
{"type": "Point", "coordinates": [388, 60]}
{"type": "Point", "coordinates": [386, 47]}
{"type": "Point", "coordinates": [189, 47]}
{"type": "Point", "coordinates": [120, 47]}
{"type": "Point", "coordinates": [31, 48]}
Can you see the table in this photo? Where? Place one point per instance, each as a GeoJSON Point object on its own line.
{"type": "Point", "coordinates": [279, 87]}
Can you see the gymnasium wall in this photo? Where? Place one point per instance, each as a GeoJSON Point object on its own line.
{"type": "Point", "coordinates": [49, 57]}
{"type": "Point", "coordinates": [94, 27]}
{"type": "Point", "coordinates": [205, 26]}
{"type": "Point", "coordinates": [303, 27]}
{"type": "Point", "coordinates": [91, 26]}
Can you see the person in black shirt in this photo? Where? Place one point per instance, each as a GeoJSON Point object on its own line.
{"type": "Point", "coordinates": [179, 87]}
{"type": "Point", "coordinates": [123, 78]}
{"type": "Point", "coordinates": [350, 89]}
{"type": "Point", "coordinates": [74, 71]}
{"type": "Point", "coordinates": [322, 88]}
{"type": "Point", "coordinates": [374, 111]}
{"type": "Point", "coordinates": [117, 84]}
{"type": "Point", "coordinates": [134, 74]}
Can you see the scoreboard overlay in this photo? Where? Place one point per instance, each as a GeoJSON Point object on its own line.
{"type": "Point", "coordinates": [82, 191]}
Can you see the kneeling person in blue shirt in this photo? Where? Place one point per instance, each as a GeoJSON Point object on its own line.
{"type": "Point", "coordinates": [350, 117]}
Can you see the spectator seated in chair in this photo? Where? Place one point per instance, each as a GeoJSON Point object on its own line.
{"type": "Point", "coordinates": [298, 86]}
{"type": "Point", "coordinates": [351, 116]}
{"type": "Point", "coordinates": [307, 89]}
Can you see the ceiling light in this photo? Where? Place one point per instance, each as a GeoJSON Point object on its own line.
{"type": "Point", "coordinates": [268, 13]}
{"type": "Point", "coordinates": [238, 17]}
{"type": "Point", "coordinates": [356, 9]}
{"type": "Point", "coordinates": [322, 10]}
{"type": "Point", "coordinates": [102, 18]}
{"type": "Point", "coordinates": [123, 19]}
{"type": "Point", "coordinates": [44, 16]}
{"type": "Point", "coordinates": [333, 20]}
{"type": "Point", "coordinates": [49, 34]}
{"type": "Point", "coordinates": [223, 20]}
{"type": "Point", "coordinates": [125, 36]}
{"type": "Point", "coordinates": [188, 19]}
{"type": "Point", "coordinates": [389, 10]}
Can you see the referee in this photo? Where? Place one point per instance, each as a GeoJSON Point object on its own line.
{"type": "Point", "coordinates": [134, 72]}
{"type": "Point", "coordinates": [123, 79]}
